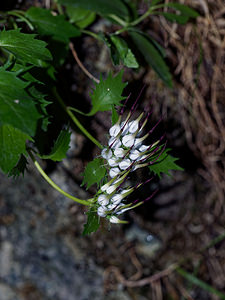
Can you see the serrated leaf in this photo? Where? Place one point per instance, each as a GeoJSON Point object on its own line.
{"type": "Point", "coordinates": [102, 7]}
{"type": "Point", "coordinates": [25, 47]}
{"type": "Point", "coordinates": [152, 56]}
{"type": "Point", "coordinates": [60, 147]}
{"type": "Point", "coordinates": [20, 167]}
{"type": "Point", "coordinates": [164, 164]}
{"type": "Point", "coordinates": [107, 93]}
{"type": "Point", "coordinates": [55, 26]}
{"type": "Point", "coordinates": [12, 145]}
{"type": "Point", "coordinates": [94, 172]}
{"type": "Point", "coordinates": [125, 53]}
{"type": "Point", "coordinates": [16, 106]}
{"type": "Point", "coordinates": [81, 17]}
{"type": "Point", "coordinates": [92, 224]}
{"type": "Point", "coordinates": [42, 104]}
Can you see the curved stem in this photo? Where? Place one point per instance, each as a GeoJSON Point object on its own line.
{"type": "Point", "coordinates": [19, 14]}
{"type": "Point", "coordinates": [81, 65]}
{"type": "Point", "coordinates": [94, 35]}
{"type": "Point", "coordinates": [80, 126]}
{"type": "Point", "coordinates": [76, 121]}
{"type": "Point", "coordinates": [118, 20]}
{"type": "Point", "coordinates": [55, 186]}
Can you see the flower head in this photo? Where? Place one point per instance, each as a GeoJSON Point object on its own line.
{"type": "Point", "coordinates": [124, 154]}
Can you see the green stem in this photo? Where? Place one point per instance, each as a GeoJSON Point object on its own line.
{"type": "Point", "coordinates": [94, 35]}
{"type": "Point", "coordinates": [20, 15]}
{"type": "Point", "coordinates": [118, 20]}
{"type": "Point", "coordinates": [55, 186]}
{"type": "Point", "coordinates": [76, 121]}
{"type": "Point", "coordinates": [140, 19]}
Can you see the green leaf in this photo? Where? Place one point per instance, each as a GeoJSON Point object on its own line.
{"type": "Point", "coordinates": [107, 93]}
{"type": "Point", "coordinates": [92, 224]}
{"type": "Point", "coordinates": [16, 106]}
{"type": "Point", "coordinates": [152, 56]}
{"type": "Point", "coordinates": [180, 19]}
{"type": "Point", "coordinates": [125, 53]}
{"type": "Point", "coordinates": [164, 164]}
{"type": "Point", "coordinates": [185, 10]}
{"type": "Point", "coordinates": [205, 286]}
{"type": "Point", "coordinates": [60, 147]}
{"type": "Point", "coordinates": [94, 172]}
{"type": "Point", "coordinates": [102, 7]}
{"type": "Point", "coordinates": [20, 167]}
{"type": "Point", "coordinates": [81, 17]}
{"type": "Point", "coordinates": [12, 145]}
{"type": "Point", "coordinates": [154, 2]}
{"type": "Point", "coordinates": [42, 104]}
{"type": "Point", "coordinates": [25, 47]}
{"type": "Point", "coordinates": [55, 26]}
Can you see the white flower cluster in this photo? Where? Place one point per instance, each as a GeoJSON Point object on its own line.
{"type": "Point", "coordinates": [124, 154]}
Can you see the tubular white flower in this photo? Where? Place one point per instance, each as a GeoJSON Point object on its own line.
{"type": "Point", "coordinates": [114, 172]}
{"type": "Point", "coordinates": [102, 211]}
{"type": "Point", "coordinates": [114, 130]}
{"type": "Point", "coordinates": [113, 162]}
{"type": "Point", "coordinates": [119, 152]}
{"type": "Point", "coordinates": [111, 189]}
{"type": "Point", "coordinates": [125, 163]}
{"type": "Point", "coordinates": [138, 141]}
{"type": "Point", "coordinates": [114, 142]}
{"type": "Point", "coordinates": [143, 148]}
{"type": "Point", "coordinates": [103, 200]}
{"type": "Point", "coordinates": [111, 206]}
{"type": "Point", "coordinates": [128, 140]}
{"type": "Point", "coordinates": [114, 219]}
{"type": "Point", "coordinates": [106, 153]}
{"type": "Point", "coordinates": [116, 199]}
{"type": "Point", "coordinates": [134, 155]}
